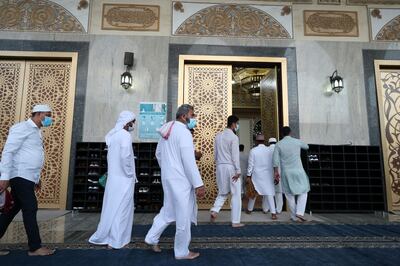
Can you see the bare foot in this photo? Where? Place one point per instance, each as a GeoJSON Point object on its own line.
{"type": "Point", "coordinates": [42, 252]}
{"type": "Point", "coordinates": [213, 216]}
{"type": "Point", "coordinates": [155, 248]}
{"type": "Point", "coordinates": [237, 225]}
{"type": "Point", "coordinates": [274, 217]}
{"type": "Point", "coordinates": [192, 255]}
{"type": "Point", "coordinates": [4, 252]}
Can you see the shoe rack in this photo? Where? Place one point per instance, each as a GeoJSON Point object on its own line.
{"type": "Point", "coordinates": [345, 178]}
{"type": "Point", "coordinates": [91, 164]}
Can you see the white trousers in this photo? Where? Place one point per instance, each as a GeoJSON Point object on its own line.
{"type": "Point", "coordinates": [182, 234]}
{"type": "Point", "coordinates": [268, 203]}
{"type": "Point", "coordinates": [236, 201]}
{"type": "Point", "coordinates": [279, 202]}
{"type": "Point", "coordinates": [296, 208]}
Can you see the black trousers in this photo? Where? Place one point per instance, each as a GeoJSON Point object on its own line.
{"type": "Point", "coordinates": [23, 193]}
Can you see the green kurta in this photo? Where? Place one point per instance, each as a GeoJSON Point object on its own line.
{"type": "Point", "coordinates": [287, 156]}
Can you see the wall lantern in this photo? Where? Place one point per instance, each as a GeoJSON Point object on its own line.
{"type": "Point", "coordinates": [336, 82]}
{"type": "Point", "coordinates": [126, 77]}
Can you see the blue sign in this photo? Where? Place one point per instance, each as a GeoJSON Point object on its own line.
{"type": "Point", "coordinates": [152, 116]}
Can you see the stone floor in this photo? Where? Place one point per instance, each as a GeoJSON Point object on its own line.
{"type": "Point", "coordinates": [76, 227]}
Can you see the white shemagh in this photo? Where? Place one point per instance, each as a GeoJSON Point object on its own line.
{"type": "Point", "coordinates": [124, 118]}
{"type": "Point", "coordinates": [165, 130]}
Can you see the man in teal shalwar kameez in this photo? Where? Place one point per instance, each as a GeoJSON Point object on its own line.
{"type": "Point", "coordinates": [294, 179]}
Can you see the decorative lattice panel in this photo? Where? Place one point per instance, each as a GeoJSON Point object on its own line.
{"type": "Point", "coordinates": [49, 83]}
{"type": "Point", "coordinates": [208, 88]}
{"type": "Point", "coordinates": [390, 108]}
{"type": "Point", "coordinates": [11, 83]}
{"type": "Point", "coordinates": [269, 105]}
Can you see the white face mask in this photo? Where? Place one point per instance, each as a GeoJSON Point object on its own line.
{"type": "Point", "coordinates": [131, 128]}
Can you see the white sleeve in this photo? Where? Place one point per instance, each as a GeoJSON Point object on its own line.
{"type": "Point", "coordinates": [15, 138]}
{"type": "Point", "coordinates": [126, 157]}
{"type": "Point", "coordinates": [250, 163]}
{"type": "Point", "coordinates": [236, 154]}
{"type": "Point", "coordinates": [158, 152]}
{"type": "Point", "coordinates": [189, 162]}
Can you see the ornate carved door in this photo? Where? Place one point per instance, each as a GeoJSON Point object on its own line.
{"type": "Point", "coordinates": [388, 94]}
{"type": "Point", "coordinates": [52, 83]}
{"type": "Point", "coordinates": [11, 86]}
{"type": "Point", "coordinates": [209, 89]}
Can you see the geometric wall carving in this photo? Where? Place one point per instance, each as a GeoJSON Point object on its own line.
{"type": "Point", "coordinates": [370, 2]}
{"type": "Point", "coordinates": [330, 23]}
{"type": "Point", "coordinates": [289, 1]}
{"type": "Point", "coordinates": [329, 2]}
{"type": "Point", "coordinates": [231, 20]}
{"type": "Point", "coordinates": [130, 17]}
{"type": "Point", "coordinates": [37, 15]}
{"type": "Point", "coordinates": [384, 24]}
{"type": "Point", "coordinates": [391, 31]}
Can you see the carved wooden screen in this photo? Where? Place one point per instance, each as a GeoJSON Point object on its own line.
{"type": "Point", "coordinates": [269, 105]}
{"type": "Point", "coordinates": [388, 92]}
{"type": "Point", "coordinates": [51, 83]}
{"type": "Point", "coordinates": [11, 86]}
{"type": "Point", "coordinates": [209, 89]}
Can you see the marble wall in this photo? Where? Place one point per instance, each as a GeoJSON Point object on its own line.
{"type": "Point", "coordinates": [105, 97]}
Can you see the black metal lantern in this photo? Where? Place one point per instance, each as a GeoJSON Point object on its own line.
{"type": "Point", "coordinates": [126, 77]}
{"type": "Point", "coordinates": [126, 80]}
{"type": "Point", "coordinates": [336, 82]}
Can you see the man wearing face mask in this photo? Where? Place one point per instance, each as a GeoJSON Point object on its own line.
{"type": "Point", "coordinates": [227, 158]}
{"type": "Point", "coordinates": [22, 161]}
{"type": "Point", "coordinates": [115, 226]}
{"type": "Point", "coordinates": [181, 182]}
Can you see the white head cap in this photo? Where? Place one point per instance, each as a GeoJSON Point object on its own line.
{"type": "Point", "coordinates": [272, 140]}
{"type": "Point", "coordinates": [41, 108]}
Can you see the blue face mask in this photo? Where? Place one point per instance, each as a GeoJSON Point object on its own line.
{"type": "Point", "coordinates": [47, 121]}
{"type": "Point", "coordinates": [192, 123]}
{"type": "Point", "coordinates": [237, 127]}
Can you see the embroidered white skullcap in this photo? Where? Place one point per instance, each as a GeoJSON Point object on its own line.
{"type": "Point", "coordinates": [272, 140]}
{"type": "Point", "coordinates": [41, 108]}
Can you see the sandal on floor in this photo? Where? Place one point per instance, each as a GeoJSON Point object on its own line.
{"type": "Point", "coordinates": [301, 218]}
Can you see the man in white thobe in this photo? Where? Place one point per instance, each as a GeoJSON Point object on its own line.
{"type": "Point", "coordinates": [115, 226]}
{"type": "Point", "coordinates": [244, 158]}
{"type": "Point", "coordinates": [226, 155]}
{"type": "Point", "coordinates": [22, 162]}
{"type": "Point", "coordinates": [295, 182]}
{"type": "Point", "coordinates": [260, 172]}
{"type": "Point", "coordinates": [181, 182]}
{"type": "Point", "coordinates": [278, 186]}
